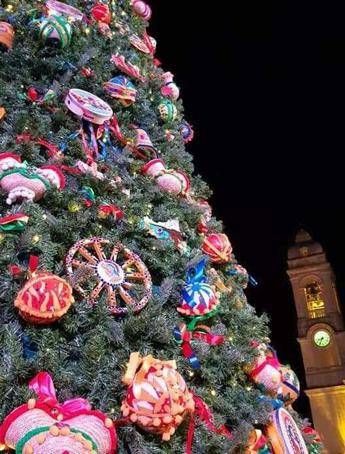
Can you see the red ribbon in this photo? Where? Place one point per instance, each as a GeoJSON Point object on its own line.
{"type": "Point", "coordinates": [270, 360]}
{"type": "Point", "coordinates": [188, 336]}
{"type": "Point", "coordinates": [204, 414]}
{"type": "Point", "coordinates": [44, 388]}
{"type": "Point", "coordinates": [53, 150]}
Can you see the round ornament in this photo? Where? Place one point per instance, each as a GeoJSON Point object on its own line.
{"type": "Point", "coordinates": [112, 270]}
{"type": "Point", "coordinates": [186, 131]}
{"type": "Point", "coordinates": [284, 434]}
{"type": "Point", "coordinates": [217, 246]}
{"type": "Point", "coordinates": [88, 106]}
{"type": "Point", "coordinates": [55, 31]}
{"type": "Point", "coordinates": [122, 89]}
{"type": "Point", "coordinates": [153, 168]}
{"type": "Point", "coordinates": [142, 9]}
{"type": "Point", "coordinates": [173, 181]}
{"type": "Point", "coordinates": [290, 386]}
{"type": "Point", "coordinates": [157, 398]}
{"type": "Point", "coordinates": [57, 8]}
{"type": "Point", "coordinates": [6, 36]}
{"type": "Point", "coordinates": [167, 110]}
{"type": "Point", "coordinates": [44, 299]}
{"type": "Point", "coordinates": [101, 13]}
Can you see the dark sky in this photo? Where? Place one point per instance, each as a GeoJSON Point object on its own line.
{"type": "Point", "coordinates": [263, 83]}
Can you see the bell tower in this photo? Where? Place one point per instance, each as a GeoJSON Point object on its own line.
{"type": "Point", "coordinates": [321, 335]}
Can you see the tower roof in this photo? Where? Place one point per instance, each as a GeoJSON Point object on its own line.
{"type": "Point", "coordinates": [304, 246]}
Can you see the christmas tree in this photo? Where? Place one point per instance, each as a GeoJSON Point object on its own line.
{"type": "Point", "coordinates": [116, 281]}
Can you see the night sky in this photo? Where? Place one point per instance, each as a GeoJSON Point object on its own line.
{"type": "Point", "coordinates": [263, 84]}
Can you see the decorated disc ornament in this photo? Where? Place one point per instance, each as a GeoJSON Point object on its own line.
{"type": "Point", "coordinates": [217, 246]}
{"type": "Point", "coordinates": [44, 425]}
{"type": "Point", "coordinates": [111, 271]}
{"type": "Point", "coordinates": [57, 8]}
{"type": "Point", "coordinates": [44, 299]}
{"type": "Point", "coordinates": [88, 106]}
{"type": "Point", "coordinates": [157, 397]}
{"type": "Point", "coordinates": [55, 31]}
{"type": "Point", "coordinates": [167, 110]}
{"type": "Point", "coordinates": [122, 89]}
{"type": "Point", "coordinates": [142, 9]}
{"type": "Point", "coordinates": [6, 36]}
{"type": "Point", "coordinates": [290, 386]}
{"type": "Point", "coordinates": [284, 435]}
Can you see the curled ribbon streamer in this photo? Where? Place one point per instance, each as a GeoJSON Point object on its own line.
{"type": "Point", "coordinates": [42, 384]}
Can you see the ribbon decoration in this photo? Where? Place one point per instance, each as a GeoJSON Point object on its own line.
{"type": "Point", "coordinates": [184, 337]}
{"type": "Point", "coordinates": [271, 360]}
{"type": "Point", "coordinates": [52, 150]}
{"type": "Point", "coordinates": [13, 223]}
{"type": "Point", "coordinates": [204, 414]}
{"type": "Point", "coordinates": [43, 386]}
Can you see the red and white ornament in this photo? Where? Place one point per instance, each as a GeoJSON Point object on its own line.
{"type": "Point", "coordinates": [142, 9]}
{"type": "Point", "coordinates": [265, 370]}
{"type": "Point", "coordinates": [169, 180]}
{"type": "Point", "coordinates": [217, 246]}
{"type": "Point", "coordinates": [128, 68]}
{"type": "Point", "coordinates": [88, 106]}
{"type": "Point", "coordinates": [145, 44]}
{"type": "Point", "coordinates": [170, 89]}
{"type": "Point", "coordinates": [56, 8]}
{"type": "Point", "coordinates": [101, 13]}
{"type": "Point", "coordinates": [6, 35]}
{"type": "Point", "coordinates": [157, 398]}
{"type": "Point", "coordinates": [107, 210]}
{"type": "Point", "coordinates": [44, 299]}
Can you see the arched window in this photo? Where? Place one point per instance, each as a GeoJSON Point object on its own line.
{"type": "Point", "coordinates": [314, 300]}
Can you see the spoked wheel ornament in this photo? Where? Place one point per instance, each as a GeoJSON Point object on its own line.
{"type": "Point", "coordinates": [113, 272]}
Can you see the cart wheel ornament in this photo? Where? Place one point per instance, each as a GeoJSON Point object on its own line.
{"type": "Point", "coordinates": [112, 270]}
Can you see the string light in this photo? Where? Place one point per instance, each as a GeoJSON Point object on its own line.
{"type": "Point", "coordinates": [191, 373]}
{"type": "Point", "coordinates": [35, 239]}
{"type": "Point", "coordinates": [248, 388]}
{"type": "Point", "coordinates": [213, 392]}
{"type": "Point", "coordinates": [230, 338]}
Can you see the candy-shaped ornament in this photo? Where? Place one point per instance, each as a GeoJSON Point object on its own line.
{"type": "Point", "coordinates": [167, 110]}
{"type": "Point", "coordinates": [157, 398]}
{"type": "Point", "coordinates": [55, 31]}
{"type": "Point", "coordinates": [44, 425]}
{"type": "Point", "coordinates": [101, 13]}
{"type": "Point", "coordinates": [122, 89]}
{"type": "Point", "coordinates": [218, 247]}
{"type": "Point", "coordinates": [170, 89]}
{"type": "Point", "coordinates": [6, 36]}
{"type": "Point", "coordinates": [290, 386]}
{"type": "Point", "coordinates": [265, 370]}
{"type": "Point", "coordinates": [198, 298]}
{"type": "Point", "coordinates": [169, 180]}
{"type": "Point", "coordinates": [145, 44]}
{"type": "Point", "coordinates": [56, 8]}
{"type": "Point", "coordinates": [142, 9]}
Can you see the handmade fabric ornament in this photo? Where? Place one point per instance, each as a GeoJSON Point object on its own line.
{"type": "Point", "coordinates": [167, 110]}
{"type": "Point", "coordinates": [284, 435]}
{"type": "Point", "coordinates": [107, 210]}
{"type": "Point", "coordinates": [88, 106]}
{"type": "Point", "coordinates": [128, 68]}
{"type": "Point", "coordinates": [142, 9]}
{"type": "Point", "coordinates": [144, 145]}
{"type": "Point", "coordinates": [146, 44]}
{"type": "Point", "coordinates": [111, 269]}
{"type": "Point", "coordinates": [166, 231]}
{"type": "Point", "coordinates": [122, 89]}
{"type": "Point", "coordinates": [257, 443]}
{"type": "Point", "coordinates": [57, 8]}
{"type": "Point", "coordinates": [186, 131]}
{"type": "Point", "coordinates": [21, 182]}
{"type": "Point", "coordinates": [169, 180]}
{"type": "Point", "coordinates": [101, 13]}
{"type": "Point", "coordinates": [217, 246]}
{"type": "Point", "coordinates": [290, 386]}
{"type": "Point", "coordinates": [198, 297]}
{"type": "Point", "coordinates": [44, 425]}
{"type": "Point", "coordinates": [6, 36]}
{"type": "Point", "coordinates": [55, 31]}
{"type": "Point", "coordinates": [170, 89]}
{"type": "Point", "coordinates": [265, 370]}
{"type": "Point", "coordinates": [13, 223]}
{"type": "Point", "coordinates": [157, 397]}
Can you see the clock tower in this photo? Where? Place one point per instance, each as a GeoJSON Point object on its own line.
{"type": "Point", "coordinates": [321, 335]}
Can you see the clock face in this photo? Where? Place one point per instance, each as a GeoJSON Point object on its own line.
{"type": "Point", "coordinates": [322, 338]}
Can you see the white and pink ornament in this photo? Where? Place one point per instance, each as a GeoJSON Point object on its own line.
{"type": "Point", "coordinates": [170, 89]}
{"type": "Point", "coordinates": [88, 106]}
{"type": "Point", "coordinates": [169, 180]}
{"type": "Point", "coordinates": [57, 8]}
{"type": "Point", "coordinates": [142, 9]}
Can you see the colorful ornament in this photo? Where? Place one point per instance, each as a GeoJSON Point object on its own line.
{"type": "Point", "coordinates": [32, 94]}
{"type": "Point", "coordinates": [57, 8]}
{"type": "Point", "coordinates": [146, 44]}
{"type": "Point", "coordinates": [2, 113]}
{"type": "Point", "coordinates": [55, 31]}
{"type": "Point", "coordinates": [290, 386]}
{"type": "Point", "coordinates": [167, 110]}
{"type": "Point", "coordinates": [101, 13]}
{"type": "Point", "coordinates": [121, 88]}
{"type": "Point", "coordinates": [284, 435]}
{"type": "Point", "coordinates": [112, 269]}
{"type": "Point", "coordinates": [6, 36]}
{"type": "Point", "coordinates": [142, 9]}
{"type": "Point", "coordinates": [44, 425]}
{"type": "Point", "coordinates": [186, 131]}
{"type": "Point", "coordinates": [13, 223]}
{"type": "Point", "coordinates": [217, 246]}
{"type": "Point", "coordinates": [128, 68]}
{"type": "Point", "coordinates": [27, 183]}
{"type": "Point", "coordinates": [107, 210]}
{"type": "Point", "coordinates": [257, 443]}
{"type": "Point", "coordinates": [166, 231]}
{"type": "Point", "coordinates": [157, 397]}
{"type": "Point", "coordinates": [198, 297]}
{"type": "Point", "coordinates": [88, 106]}
{"type": "Point", "coordinates": [87, 72]}
{"type": "Point", "coordinates": [239, 274]}
{"type": "Point", "coordinates": [144, 145]}
{"type": "Point", "coordinates": [44, 299]}
{"type": "Point", "coordinates": [265, 370]}
{"type": "Point", "coordinates": [170, 89]}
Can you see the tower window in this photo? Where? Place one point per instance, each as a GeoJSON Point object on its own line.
{"type": "Point", "coordinates": [315, 303]}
